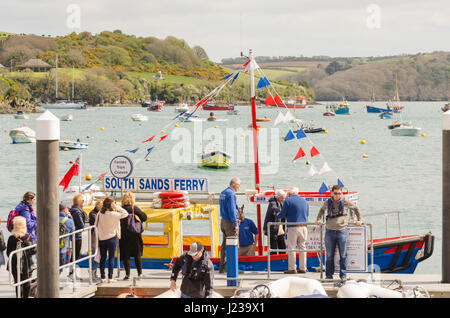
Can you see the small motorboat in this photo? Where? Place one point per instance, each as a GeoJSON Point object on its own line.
{"type": "Point", "coordinates": [215, 159]}
{"type": "Point", "coordinates": [405, 130]}
{"type": "Point", "coordinates": [181, 108]}
{"type": "Point", "coordinates": [22, 135]}
{"type": "Point", "coordinates": [213, 106]}
{"type": "Point", "coordinates": [67, 118]}
{"type": "Point", "coordinates": [21, 115]}
{"type": "Point", "coordinates": [153, 106]}
{"type": "Point", "coordinates": [329, 113]}
{"type": "Point", "coordinates": [139, 117]}
{"type": "Point", "coordinates": [69, 145]}
{"type": "Point", "coordinates": [446, 107]}
{"type": "Point", "coordinates": [263, 119]}
{"type": "Point", "coordinates": [233, 112]}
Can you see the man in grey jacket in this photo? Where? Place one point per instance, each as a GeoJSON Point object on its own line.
{"type": "Point", "coordinates": [336, 234]}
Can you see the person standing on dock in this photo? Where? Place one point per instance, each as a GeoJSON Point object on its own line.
{"type": "Point", "coordinates": [198, 273]}
{"type": "Point", "coordinates": [336, 234]}
{"type": "Point", "coordinates": [229, 214]}
{"type": "Point", "coordinates": [247, 232]}
{"type": "Point", "coordinates": [66, 220]}
{"type": "Point", "coordinates": [277, 235]}
{"type": "Point", "coordinates": [25, 209]}
{"type": "Point", "coordinates": [79, 218]}
{"type": "Point", "coordinates": [296, 209]}
{"type": "Point", "coordinates": [94, 238]}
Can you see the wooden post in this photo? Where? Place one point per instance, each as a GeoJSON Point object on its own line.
{"type": "Point", "coordinates": [446, 197]}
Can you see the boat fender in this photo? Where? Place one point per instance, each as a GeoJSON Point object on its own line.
{"type": "Point", "coordinates": [289, 287]}
{"type": "Point", "coordinates": [353, 289]}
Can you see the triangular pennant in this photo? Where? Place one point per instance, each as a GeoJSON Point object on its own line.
{"type": "Point", "coordinates": [279, 119]}
{"type": "Point", "coordinates": [225, 77]}
{"type": "Point", "coordinates": [288, 117]}
{"type": "Point", "coordinates": [133, 150]}
{"type": "Point", "coordinates": [340, 183]}
{"type": "Point", "coordinates": [312, 171]}
{"type": "Point", "coordinates": [101, 176]}
{"type": "Point", "coordinates": [250, 65]}
{"type": "Point", "coordinates": [278, 100]}
{"type": "Point", "coordinates": [148, 151]}
{"type": "Point", "coordinates": [325, 168]}
{"type": "Point", "coordinates": [290, 135]}
{"type": "Point", "coordinates": [234, 78]}
{"type": "Point", "coordinates": [270, 101]}
{"type": "Point", "coordinates": [300, 134]}
{"type": "Point", "coordinates": [323, 188]}
{"type": "Point", "coordinates": [299, 154]}
{"type": "Point", "coordinates": [162, 138]}
{"type": "Point", "coordinates": [263, 82]}
{"type": "Point", "coordinates": [149, 139]}
{"type": "Point", "coordinates": [314, 151]}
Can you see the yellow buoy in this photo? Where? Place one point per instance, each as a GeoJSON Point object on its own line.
{"type": "Point", "coordinates": [365, 155]}
{"type": "Point", "coordinates": [363, 142]}
{"type": "Point", "coordinates": [88, 177]}
{"type": "Point", "coordinates": [147, 159]}
{"type": "Point", "coordinates": [163, 131]}
{"type": "Point", "coordinates": [424, 135]}
{"type": "Point", "coordinates": [176, 125]}
{"type": "Point", "coordinates": [282, 137]}
{"type": "Point", "coordinates": [325, 131]}
{"type": "Point", "coordinates": [243, 135]}
{"type": "Point", "coordinates": [101, 128]}
{"type": "Point", "coordinates": [257, 128]}
{"type": "Point", "coordinates": [216, 126]}
{"type": "Point", "coordinates": [65, 149]}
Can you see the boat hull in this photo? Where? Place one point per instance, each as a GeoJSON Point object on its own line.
{"type": "Point", "coordinates": [373, 109]}
{"type": "Point", "coordinates": [217, 107]}
{"type": "Point", "coordinates": [63, 106]}
{"type": "Point", "coordinates": [72, 145]}
{"type": "Point", "coordinates": [22, 135]}
{"type": "Point", "coordinates": [216, 159]}
{"type": "Point", "coordinates": [403, 131]}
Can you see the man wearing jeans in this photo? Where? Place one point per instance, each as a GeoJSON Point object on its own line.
{"type": "Point", "coordinates": [336, 234]}
{"type": "Point", "coordinates": [295, 209]}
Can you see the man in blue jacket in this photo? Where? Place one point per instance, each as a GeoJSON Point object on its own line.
{"type": "Point", "coordinates": [65, 219]}
{"type": "Point", "coordinates": [229, 214]}
{"type": "Point", "coordinates": [295, 209]}
{"type": "Point", "coordinates": [247, 232]}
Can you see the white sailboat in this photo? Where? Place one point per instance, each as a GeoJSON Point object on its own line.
{"type": "Point", "coordinates": [64, 103]}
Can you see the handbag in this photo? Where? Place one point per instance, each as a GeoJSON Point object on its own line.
{"type": "Point", "coordinates": [2, 242]}
{"type": "Point", "coordinates": [134, 225]}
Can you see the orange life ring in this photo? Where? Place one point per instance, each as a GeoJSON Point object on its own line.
{"type": "Point", "coordinates": [173, 205]}
{"type": "Point", "coordinates": [172, 200]}
{"type": "Point", "coordinates": [171, 194]}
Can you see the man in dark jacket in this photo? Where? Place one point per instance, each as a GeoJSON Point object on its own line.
{"type": "Point", "coordinates": [277, 240]}
{"type": "Point", "coordinates": [198, 273]}
{"type": "Point", "coordinates": [79, 218]}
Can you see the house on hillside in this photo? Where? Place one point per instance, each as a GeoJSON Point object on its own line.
{"type": "Point", "coordinates": [36, 65]}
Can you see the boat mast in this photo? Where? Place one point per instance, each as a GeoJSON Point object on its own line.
{"type": "Point", "coordinates": [56, 92]}
{"type": "Point", "coordinates": [255, 150]}
{"type": "Point", "coordinates": [73, 80]}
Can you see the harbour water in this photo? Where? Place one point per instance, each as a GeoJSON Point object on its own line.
{"type": "Point", "coordinates": [399, 174]}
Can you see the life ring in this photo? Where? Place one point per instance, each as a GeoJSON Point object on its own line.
{"type": "Point", "coordinates": [174, 205]}
{"type": "Point", "coordinates": [170, 194]}
{"type": "Point", "coordinates": [172, 200]}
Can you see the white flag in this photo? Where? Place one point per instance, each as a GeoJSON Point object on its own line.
{"type": "Point", "coordinates": [288, 117]}
{"type": "Point", "coordinates": [279, 119]}
{"type": "Point", "coordinates": [312, 171]}
{"type": "Point", "coordinates": [325, 168]}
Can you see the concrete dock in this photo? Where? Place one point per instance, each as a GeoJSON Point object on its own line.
{"type": "Point", "coordinates": [156, 282]}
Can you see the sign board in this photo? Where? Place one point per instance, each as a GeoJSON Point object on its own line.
{"type": "Point", "coordinates": [356, 247]}
{"type": "Point", "coordinates": [153, 184]}
{"type": "Point", "coordinates": [121, 167]}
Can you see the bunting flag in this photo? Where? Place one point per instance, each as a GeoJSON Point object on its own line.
{"type": "Point", "coordinates": [180, 114]}
{"type": "Point", "coordinates": [225, 77]}
{"type": "Point", "coordinates": [73, 171]}
{"type": "Point", "coordinates": [299, 154]}
{"type": "Point", "coordinates": [288, 117]}
{"type": "Point", "coordinates": [148, 152]}
{"type": "Point", "coordinates": [162, 138]}
{"type": "Point", "coordinates": [263, 82]}
{"type": "Point", "coordinates": [323, 188]}
{"type": "Point", "coordinates": [100, 178]}
{"type": "Point", "coordinates": [270, 101]}
{"type": "Point", "coordinates": [312, 171]}
{"type": "Point", "coordinates": [234, 78]}
{"type": "Point", "coordinates": [250, 65]}
{"type": "Point", "coordinates": [149, 139]}
{"type": "Point", "coordinates": [325, 168]}
{"type": "Point", "coordinates": [279, 119]}
{"type": "Point", "coordinates": [300, 134]}
{"type": "Point", "coordinates": [203, 101]}
{"type": "Point", "coordinates": [314, 151]}
{"type": "Point", "coordinates": [133, 150]}
{"type": "Point", "coordinates": [340, 183]}
{"type": "Point", "coordinates": [278, 100]}
{"type": "Point", "coordinates": [289, 136]}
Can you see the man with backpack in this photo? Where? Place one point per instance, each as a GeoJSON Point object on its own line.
{"type": "Point", "coordinates": [66, 226]}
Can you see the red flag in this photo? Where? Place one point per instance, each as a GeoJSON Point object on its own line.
{"type": "Point", "coordinates": [270, 101]}
{"type": "Point", "coordinates": [73, 171]}
{"type": "Point", "coordinates": [278, 100]}
{"type": "Point", "coordinates": [300, 154]}
{"type": "Point", "coordinates": [101, 176]}
{"type": "Point", "coordinates": [162, 138]}
{"type": "Point", "coordinates": [203, 101]}
{"type": "Point", "coordinates": [314, 151]}
{"type": "Point", "coordinates": [149, 139]}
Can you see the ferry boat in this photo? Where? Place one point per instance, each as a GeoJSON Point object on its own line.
{"type": "Point", "coordinates": [296, 102]}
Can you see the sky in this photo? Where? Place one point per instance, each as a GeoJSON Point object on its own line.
{"type": "Point", "coordinates": [224, 28]}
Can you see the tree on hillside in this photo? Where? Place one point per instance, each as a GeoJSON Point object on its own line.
{"type": "Point", "coordinates": [200, 52]}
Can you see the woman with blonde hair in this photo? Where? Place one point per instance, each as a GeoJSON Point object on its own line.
{"type": "Point", "coordinates": [108, 229]}
{"type": "Point", "coordinates": [131, 244]}
{"type": "Point", "coordinates": [79, 218]}
{"type": "Point", "coordinates": [19, 239]}
{"type": "Point", "coordinates": [94, 238]}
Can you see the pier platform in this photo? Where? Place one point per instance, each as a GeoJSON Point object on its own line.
{"type": "Point", "coordinates": [155, 282]}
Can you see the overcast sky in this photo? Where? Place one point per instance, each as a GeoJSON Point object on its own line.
{"type": "Point", "coordinates": [224, 28]}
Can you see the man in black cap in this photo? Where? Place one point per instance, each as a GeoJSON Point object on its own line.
{"type": "Point", "coordinates": [66, 226]}
{"type": "Point", "coordinates": [198, 273]}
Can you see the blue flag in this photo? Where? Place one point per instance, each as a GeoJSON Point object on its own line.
{"type": "Point", "coordinates": [133, 150]}
{"type": "Point", "coordinates": [340, 183]}
{"type": "Point", "coordinates": [301, 134]}
{"type": "Point", "coordinates": [225, 77]}
{"type": "Point", "coordinates": [148, 152]}
{"type": "Point", "coordinates": [263, 81]}
{"type": "Point", "coordinates": [289, 136]}
{"type": "Point", "coordinates": [234, 78]}
{"type": "Point", "coordinates": [180, 114]}
{"type": "Point", "coordinates": [323, 188]}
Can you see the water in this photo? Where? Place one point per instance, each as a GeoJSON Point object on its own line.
{"type": "Point", "coordinates": [400, 174]}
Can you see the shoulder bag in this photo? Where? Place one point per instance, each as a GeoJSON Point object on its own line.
{"type": "Point", "coordinates": [134, 225]}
